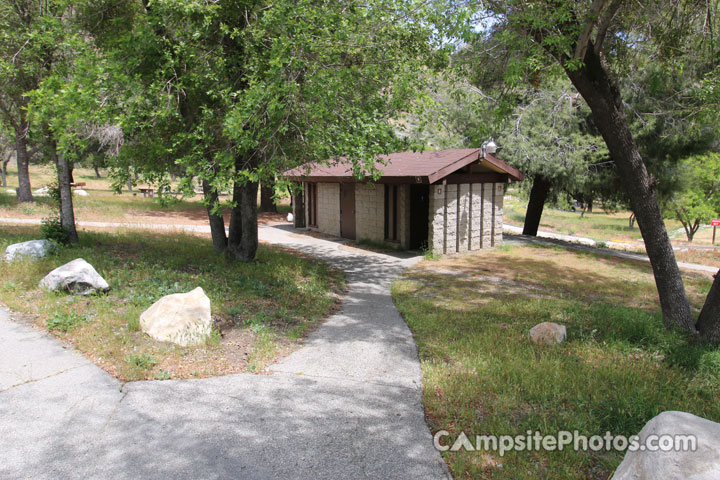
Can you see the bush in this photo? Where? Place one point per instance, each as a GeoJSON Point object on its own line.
{"type": "Point", "coordinates": [52, 229]}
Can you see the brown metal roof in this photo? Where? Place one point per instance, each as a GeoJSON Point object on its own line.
{"type": "Point", "coordinates": [414, 167]}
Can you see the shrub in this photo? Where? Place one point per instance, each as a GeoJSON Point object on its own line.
{"type": "Point", "coordinates": [51, 229]}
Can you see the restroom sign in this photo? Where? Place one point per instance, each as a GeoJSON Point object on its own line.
{"type": "Point", "coordinates": [715, 222]}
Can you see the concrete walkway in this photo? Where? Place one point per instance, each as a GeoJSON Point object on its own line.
{"type": "Point", "coordinates": [345, 406]}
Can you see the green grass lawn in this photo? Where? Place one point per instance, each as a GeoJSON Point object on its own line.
{"type": "Point", "coordinates": [618, 368]}
{"type": "Point", "coordinates": [260, 309]}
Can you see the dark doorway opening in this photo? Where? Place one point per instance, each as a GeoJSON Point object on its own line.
{"type": "Point", "coordinates": [347, 210]}
{"type": "Point", "coordinates": [419, 216]}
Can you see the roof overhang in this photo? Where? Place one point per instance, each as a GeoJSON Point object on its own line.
{"type": "Point", "coordinates": [409, 168]}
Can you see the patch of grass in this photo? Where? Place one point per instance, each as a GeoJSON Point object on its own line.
{"type": "Point", "coordinates": [281, 292]}
{"type": "Point", "coordinates": [618, 368]}
{"type": "Point", "coordinates": [142, 361]}
{"type": "Point", "coordinates": [64, 322]}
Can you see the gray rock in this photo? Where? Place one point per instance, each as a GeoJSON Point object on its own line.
{"type": "Point", "coordinates": [548, 333]}
{"type": "Point", "coordinates": [29, 249]}
{"type": "Point", "coordinates": [181, 318]}
{"type": "Point", "coordinates": [11, 191]}
{"type": "Point", "coordinates": [701, 464]}
{"type": "Point", "coordinates": [77, 277]}
{"type": "Point", "coordinates": [81, 193]}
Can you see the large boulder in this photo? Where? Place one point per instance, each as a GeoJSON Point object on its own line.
{"type": "Point", "coordinates": [77, 277]}
{"type": "Point", "coordinates": [29, 249]}
{"type": "Point", "coordinates": [701, 464]}
{"type": "Point", "coordinates": [181, 318]}
{"type": "Point", "coordinates": [548, 333]}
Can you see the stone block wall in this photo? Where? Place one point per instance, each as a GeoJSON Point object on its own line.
{"type": "Point", "coordinates": [465, 217]}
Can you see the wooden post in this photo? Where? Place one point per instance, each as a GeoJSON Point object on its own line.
{"type": "Point", "coordinates": [714, 228]}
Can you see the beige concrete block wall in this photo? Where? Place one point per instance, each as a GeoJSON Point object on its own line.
{"type": "Point", "coordinates": [370, 212]}
{"type": "Point", "coordinates": [465, 217]}
{"type": "Point", "coordinates": [328, 208]}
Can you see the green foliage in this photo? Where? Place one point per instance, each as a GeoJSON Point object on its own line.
{"type": "Point", "coordinates": [65, 322]}
{"type": "Point", "coordinates": [699, 199]}
{"type": "Point", "coordinates": [142, 361]}
{"type": "Point", "coordinates": [52, 229]}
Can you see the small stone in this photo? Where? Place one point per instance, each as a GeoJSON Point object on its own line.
{"type": "Point", "coordinates": [701, 464]}
{"type": "Point", "coordinates": [181, 318]}
{"type": "Point", "coordinates": [30, 249]}
{"type": "Point", "coordinates": [11, 191]}
{"type": "Point", "coordinates": [42, 192]}
{"type": "Point", "coordinates": [290, 217]}
{"type": "Point", "coordinates": [78, 277]}
{"type": "Point", "coordinates": [81, 193]}
{"type": "Point", "coordinates": [548, 333]}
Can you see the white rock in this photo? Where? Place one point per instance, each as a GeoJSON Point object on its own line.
{"type": "Point", "coordinates": [77, 277]}
{"type": "Point", "coordinates": [290, 217]}
{"type": "Point", "coordinates": [81, 193]}
{"type": "Point", "coordinates": [548, 333]}
{"type": "Point", "coordinates": [701, 464]}
{"type": "Point", "coordinates": [11, 191]}
{"type": "Point", "coordinates": [181, 318]}
{"type": "Point", "coordinates": [29, 249]}
{"type": "Point", "coordinates": [42, 192]}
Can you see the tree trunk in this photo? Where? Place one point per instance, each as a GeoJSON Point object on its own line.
{"type": "Point", "coordinates": [67, 214]}
{"type": "Point", "coordinates": [708, 323]}
{"type": "Point", "coordinates": [217, 224]}
{"type": "Point", "coordinates": [603, 97]}
{"type": "Point", "coordinates": [298, 207]}
{"type": "Point", "coordinates": [631, 221]}
{"type": "Point", "coordinates": [4, 169]}
{"type": "Point", "coordinates": [97, 172]}
{"type": "Point", "coordinates": [243, 237]}
{"type": "Point", "coordinates": [24, 191]}
{"type": "Point", "coordinates": [267, 190]}
{"type": "Point", "coordinates": [538, 195]}
{"type": "Point", "coordinates": [590, 205]}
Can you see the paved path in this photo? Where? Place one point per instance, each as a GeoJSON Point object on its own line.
{"type": "Point", "coordinates": [345, 406]}
{"type": "Point", "coordinates": [514, 235]}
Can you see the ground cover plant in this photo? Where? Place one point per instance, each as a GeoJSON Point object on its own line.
{"type": "Point", "coordinates": [261, 309]}
{"type": "Point", "coordinates": [618, 368]}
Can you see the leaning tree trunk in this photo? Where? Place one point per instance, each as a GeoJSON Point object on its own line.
{"type": "Point", "coordinates": [217, 224]}
{"type": "Point", "coordinates": [24, 191]}
{"type": "Point", "coordinates": [267, 203]}
{"type": "Point", "coordinates": [243, 237]}
{"type": "Point", "coordinates": [602, 95]}
{"type": "Point", "coordinates": [538, 195]}
{"type": "Point", "coordinates": [708, 323]}
{"type": "Point", "coordinates": [67, 214]}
